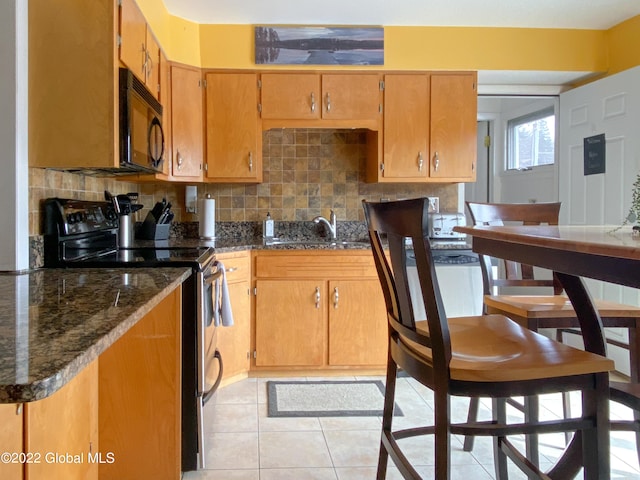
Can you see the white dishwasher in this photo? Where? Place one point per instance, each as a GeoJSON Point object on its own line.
{"type": "Point", "coordinates": [460, 279]}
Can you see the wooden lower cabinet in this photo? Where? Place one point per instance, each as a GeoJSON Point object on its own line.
{"type": "Point", "coordinates": [337, 319]}
{"type": "Point", "coordinates": [55, 438]}
{"type": "Point", "coordinates": [139, 399]}
{"type": "Point", "coordinates": [11, 439]}
{"type": "Point", "coordinates": [234, 343]}
{"type": "Point", "coordinates": [357, 323]}
{"type": "Point", "coordinates": [290, 323]}
{"type": "Point", "coordinates": [62, 430]}
{"type": "Point", "coordinates": [119, 418]}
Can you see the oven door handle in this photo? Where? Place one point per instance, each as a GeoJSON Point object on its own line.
{"type": "Point", "coordinates": [209, 278]}
{"type": "Point", "coordinates": [207, 395]}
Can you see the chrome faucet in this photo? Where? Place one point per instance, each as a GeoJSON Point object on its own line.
{"type": "Point", "coordinates": [331, 225]}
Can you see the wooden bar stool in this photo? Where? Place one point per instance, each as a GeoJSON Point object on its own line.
{"type": "Point", "coordinates": [482, 356]}
{"type": "Point", "coordinates": [547, 310]}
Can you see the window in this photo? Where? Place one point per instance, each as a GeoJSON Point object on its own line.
{"type": "Point", "coordinates": [531, 140]}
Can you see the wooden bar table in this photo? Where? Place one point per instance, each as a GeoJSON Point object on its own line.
{"type": "Point", "coordinates": [572, 252]}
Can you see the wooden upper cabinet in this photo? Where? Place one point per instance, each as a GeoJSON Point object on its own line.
{"type": "Point", "coordinates": [453, 126]}
{"type": "Point", "coordinates": [133, 38]}
{"type": "Point", "coordinates": [322, 100]}
{"type": "Point", "coordinates": [233, 133]}
{"type": "Point", "coordinates": [351, 97]}
{"type": "Point", "coordinates": [73, 94]}
{"type": "Point", "coordinates": [139, 50]}
{"type": "Point", "coordinates": [429, 128]}
{"type": "Point", "coordinates": [291, 96]}
{"type": "Point", "coordinates": [186, 123]}
{"type": "Point", "coordinates": [153, 69]}
{"type": "Point", "coordinates": [406, 128]}
{"type": "Point", "coordinates": [165, 101]}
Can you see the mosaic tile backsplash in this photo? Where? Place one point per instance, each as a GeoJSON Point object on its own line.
{"type": "Point", "coordinates": [307, 172]}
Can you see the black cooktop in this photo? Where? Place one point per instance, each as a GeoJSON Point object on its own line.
{"type": "Point", "coordinates": [147, 257]}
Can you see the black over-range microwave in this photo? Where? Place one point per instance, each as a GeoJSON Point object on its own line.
{"type": "Point", "coordinates": [141, 134]}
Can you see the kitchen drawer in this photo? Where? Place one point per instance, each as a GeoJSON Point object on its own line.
{"type": "Point", "coordinates": [237, 266]}
{"type": "Point", "coordinates": [320, 264]}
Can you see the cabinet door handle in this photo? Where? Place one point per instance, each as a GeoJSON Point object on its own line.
{"type": "Point", "coordinates": [328, 103]}
{"type": "Point", "coordinates": [336, 297]}
{"type": "Point", "coordinates": [317, 297]}
{"type": "Point", "coordinates": [179, 159]}
{"type": "Point", "coordinates": [420, 161]}
{"type": "Point", "coordinates": [250, 162]}
{"type": "Point", "coordinates": [313, 103]}
{"type": "Point", "coordinates": [145, 57]}
{"type": "Point", "coordinates": [436, 161]}
{"type": "Point", "coordinates": [149, 65]}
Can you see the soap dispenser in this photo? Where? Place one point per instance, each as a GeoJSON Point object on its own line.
{"type": "Point", "coordinates": [267, 227]}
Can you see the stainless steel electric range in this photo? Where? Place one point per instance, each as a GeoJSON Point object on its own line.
{"type": "Point", "coordinates": [84, 234]}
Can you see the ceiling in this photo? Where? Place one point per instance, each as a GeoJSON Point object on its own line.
{"type": "Point", "coordinates": [572, 14]}
{"type": "Point", "coordinates": [590, 14]}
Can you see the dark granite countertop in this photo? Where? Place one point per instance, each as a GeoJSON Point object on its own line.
{"type": "Point", "coordinates": [230, 244]}
{"type": "Point", "coordinates": [54, 322]}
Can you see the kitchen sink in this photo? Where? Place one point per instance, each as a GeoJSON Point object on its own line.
{"type": "Point", "coordinates": [318, 243]}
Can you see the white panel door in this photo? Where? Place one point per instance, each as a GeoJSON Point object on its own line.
{"type": "Point", "coordinates": [610, 106]}
{"type": "Point", "coordinates": [539, 184]}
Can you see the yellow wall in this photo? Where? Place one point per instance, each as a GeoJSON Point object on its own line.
{"type": "Point", "coordinates": [440, 48]}
{"type": "Point", "coordinates": [180, 38]}
{"type": "Point", "coordinates": [417, 48]}
{"type": "Point", "coordinates": [493, 49]}
{"type": "Point", "coordinates": [624, 45]}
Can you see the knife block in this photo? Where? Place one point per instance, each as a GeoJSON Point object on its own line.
{"type": "Point", "coordinates": [153, 231]}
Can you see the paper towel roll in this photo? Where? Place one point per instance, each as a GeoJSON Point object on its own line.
{"type": "Point", "coordinates": [207, 218]}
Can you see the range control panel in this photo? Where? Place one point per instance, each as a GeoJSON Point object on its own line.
{"type": "Point", "coordinates": [71, 217]}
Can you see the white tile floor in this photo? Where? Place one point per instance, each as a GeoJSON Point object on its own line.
{"type": "Point", "coordinates": [245, 444]}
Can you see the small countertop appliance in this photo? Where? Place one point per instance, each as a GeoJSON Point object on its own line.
{"type": "Point", "coordinates": [441, 226]}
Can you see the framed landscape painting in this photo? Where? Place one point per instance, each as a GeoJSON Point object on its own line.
{"type": "Point", "coordinates": [319, 45]}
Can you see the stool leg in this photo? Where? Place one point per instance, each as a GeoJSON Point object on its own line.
{"type": "Point", "coordinates": [499, 409]}
{"type": "Point", "coordinates": [472, 417]}
{"type": "Point", "coordinates": [387, 416]}
{"type": "Point", "coordinates": [531, 414]}
{"type": "Point", "coordinates": [566, 398]}
{"type": "Point", "coordinates": [442, 415]}
{"type": "Point", "coordinates": [566, 411]}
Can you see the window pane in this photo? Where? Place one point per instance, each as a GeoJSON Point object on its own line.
{"type": "Point", "coordinates": [531, 140]}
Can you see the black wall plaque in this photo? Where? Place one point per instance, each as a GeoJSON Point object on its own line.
{"type": "Point", "coordinates": [594, 154]}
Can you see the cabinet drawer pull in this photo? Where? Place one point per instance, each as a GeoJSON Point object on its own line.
{"type": "Point", "coordinates": [420, 161]}
{"type": "Point", "coordinates": [436, 161]}
{"type": "Point", "coordinates": [328, 103]}
{"type": "Point", "coordinates": [336, 297]}
{"type": "Point", "coordinates": [317, 297]}
{"type": "Point", "coordinates": [313, 103]}
{"type": "Point", "coordinates": [231, 269]}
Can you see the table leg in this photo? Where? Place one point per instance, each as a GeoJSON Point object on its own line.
{"type": "Point", "coordinates": [595, 403]}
